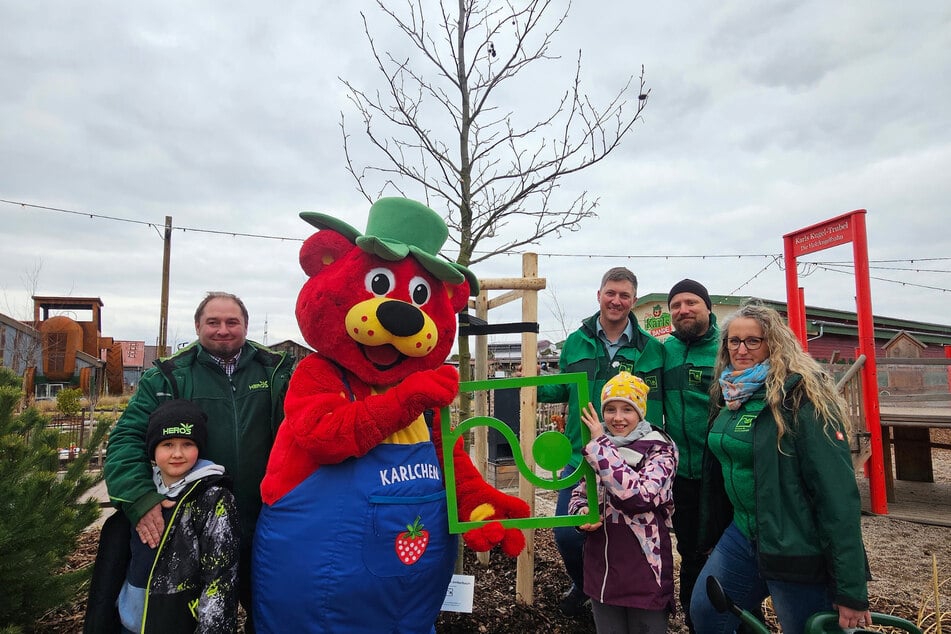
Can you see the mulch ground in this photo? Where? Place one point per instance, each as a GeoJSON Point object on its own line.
{"type": "Point", "coordinates": [901, 556]}
{"type": "Point", "coordinates": [495, 610]}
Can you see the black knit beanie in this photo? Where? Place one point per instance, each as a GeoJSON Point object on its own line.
{"type": "Point", "coordinates": [176, 419]}
{"type": "Point", "coordinates": [690, 286]}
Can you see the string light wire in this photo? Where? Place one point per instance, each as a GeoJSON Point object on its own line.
{"type": "Point", "coordinates": [775, 259]}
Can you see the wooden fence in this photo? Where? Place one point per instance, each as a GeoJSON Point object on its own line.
{"type": "Point", "coordinates": [850, 386]}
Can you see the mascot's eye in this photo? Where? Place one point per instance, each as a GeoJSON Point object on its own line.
{"type": "Point", "coordinates": [419, 291]}
{"type": "Point", "coordinates": [380, 281]}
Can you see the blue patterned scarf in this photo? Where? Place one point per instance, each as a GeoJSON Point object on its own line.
{"type": "Point", "coordinates": [739, 385]}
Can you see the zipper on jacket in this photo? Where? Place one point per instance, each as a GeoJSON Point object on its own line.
{"type": "Point", "coordinates": [604, 527]}
{"type": "Point", "coordinates": [236, 439]}
{"type": "Point", "coordinates": [683, 402]}
{"type": "Point", "coordinates": [754, 528]}
{"type": "Point", "coordinates": [274, 389]}
{"type": "Point", "coordinates": [158, 549]}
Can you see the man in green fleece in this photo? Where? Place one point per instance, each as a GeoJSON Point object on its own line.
{"type": "Point", "coordinates": [608, 342]}
{"type": "Point", "coordinates": [690, 354]}
{"type": "Point", "coordinates": [240, 386]}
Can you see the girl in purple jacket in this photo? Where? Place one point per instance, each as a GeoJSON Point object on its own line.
{"type": "Point", "coordinates": [628, 559]}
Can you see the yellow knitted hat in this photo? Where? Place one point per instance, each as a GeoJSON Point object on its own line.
{"type": "Point", "coordinates": [628, 388]}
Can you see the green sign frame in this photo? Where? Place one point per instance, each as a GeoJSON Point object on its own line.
{"type": "Point", "coordinates": [551, 450]}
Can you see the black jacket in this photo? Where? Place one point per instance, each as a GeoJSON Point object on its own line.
{"type": "Point", "coordinates": [193, 582]}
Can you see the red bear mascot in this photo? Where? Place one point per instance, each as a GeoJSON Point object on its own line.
{"type": "Point", "coordinates": [353, 536]}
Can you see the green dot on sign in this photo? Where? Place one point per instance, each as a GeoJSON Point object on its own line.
{"type": "Point", "coordinates": [552, 451]}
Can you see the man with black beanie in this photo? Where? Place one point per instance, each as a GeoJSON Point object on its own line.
{"type": "Point", "coordinates": [690, 354]}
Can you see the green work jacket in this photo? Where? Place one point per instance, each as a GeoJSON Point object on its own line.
{"type": "Point", "coordinates": [585, 352]}
{"type": "Point", "coordinates": [688, 373]}
{"type": "Point", "coordinates": [244, 412]}
{"type": "Point", "coordinates": [806, 521]}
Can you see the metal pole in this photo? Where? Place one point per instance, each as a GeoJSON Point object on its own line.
{"type": "Point", "coordinates": [795, 313]}
{"type": "Point", "coordinates": [863, 308]}
{"type": "Point", "coordinates": [804, 339]}
{"type": "Point", "coordinates": [163, 309]}
{"type": "Point", "coordinates": [947, 353]}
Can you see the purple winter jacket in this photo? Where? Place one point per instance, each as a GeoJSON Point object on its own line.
{"type": "Point", "coordinates": [628, 561]}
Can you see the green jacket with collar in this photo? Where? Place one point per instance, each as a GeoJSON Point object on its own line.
{"type": "Point", "coordinates": [585, 352]}
{"type": "Point", "coordinates": [244, 412]}
{"type": "Point", "coordinates": [688, 374]}
{"type": "Point", "coordinates": [807, 506]}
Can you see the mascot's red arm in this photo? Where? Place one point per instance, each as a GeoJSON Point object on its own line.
{"type": "Point", "coordinates": [478, 501]}
{"type": "Point", "coordinates": [325, 426]}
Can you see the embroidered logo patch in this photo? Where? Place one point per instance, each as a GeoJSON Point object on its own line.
{"type": "Point", "coordinates": [651, 382]}
{"type": "Point", "coordinates": [260, 385]}
{"type": "Point", "coordinates": [745, 423]}
{"type": "Point", "coordinates": [694, 377]}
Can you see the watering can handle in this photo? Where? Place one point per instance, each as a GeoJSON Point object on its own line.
{"type": "Point", "coordinates": [825, 622]}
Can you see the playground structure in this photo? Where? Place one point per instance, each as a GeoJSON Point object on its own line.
{"type": "Point", "coordinates": [74, 353]}
{"type": "Point", "coordinates": [911, 419]}
{"type": "Point", "coordinates": [836, 231]}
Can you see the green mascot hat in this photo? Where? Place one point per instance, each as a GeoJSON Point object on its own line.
{"type": "Point", "coordinates": [397, 228]}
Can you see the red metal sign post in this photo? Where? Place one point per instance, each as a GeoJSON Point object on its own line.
{"type": "Point", "coordinates": [840, 230]}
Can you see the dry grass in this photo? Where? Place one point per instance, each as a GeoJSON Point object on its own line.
{"type": "Point", "coordinates": [47, 407]}
{"type": "Point", "coordinates": [931, 618]}
{"type": "Point", "coordinates": [110, 403]}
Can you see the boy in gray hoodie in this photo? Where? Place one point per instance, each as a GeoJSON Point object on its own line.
{"type": "Point", "coordinates": [188, 583]}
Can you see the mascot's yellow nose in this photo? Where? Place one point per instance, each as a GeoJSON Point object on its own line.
{"type": "Point", "coordinates": [380, 321]}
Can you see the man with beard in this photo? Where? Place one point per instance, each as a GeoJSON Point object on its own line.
{"type": "Point", "coordinates": [240, 386]}
{"type": "Point", "coordinates": [690, 354]}
{"type": "Point", "coordinates": [607, 343]}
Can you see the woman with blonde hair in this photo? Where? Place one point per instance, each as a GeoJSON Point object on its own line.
{"type": "Point", "coordinates": [778, 453]}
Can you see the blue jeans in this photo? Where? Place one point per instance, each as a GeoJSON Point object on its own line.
{"type": "Point", "coordinates": [733, 563]}
{"type": "Point", "coordinates": [568, 539]}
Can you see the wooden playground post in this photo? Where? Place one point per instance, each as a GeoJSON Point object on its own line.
{"type": "Point", "coordinates": [480, 404]}
{"type": "Point", "coordinates": [525, 568]}
{"type": "Point", "coordinates": [526, 289]}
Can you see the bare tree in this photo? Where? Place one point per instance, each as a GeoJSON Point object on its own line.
{"type": "Point", "coordinates": [26, 350]}
{"type": "Point", "coordinates": [487, 171]}
{"type": "Point", "coordinates": [565, 325]}
{"type": "Point", "coordinates": [439, 125]}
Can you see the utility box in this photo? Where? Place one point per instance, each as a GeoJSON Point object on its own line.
{"type": "Point", "coordinates": [502, 470]}
{"type": "Point", "coordinates": [505, 407]}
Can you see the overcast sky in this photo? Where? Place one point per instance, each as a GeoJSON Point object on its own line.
{"type": "Point", "coordinates": [763, 118]}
